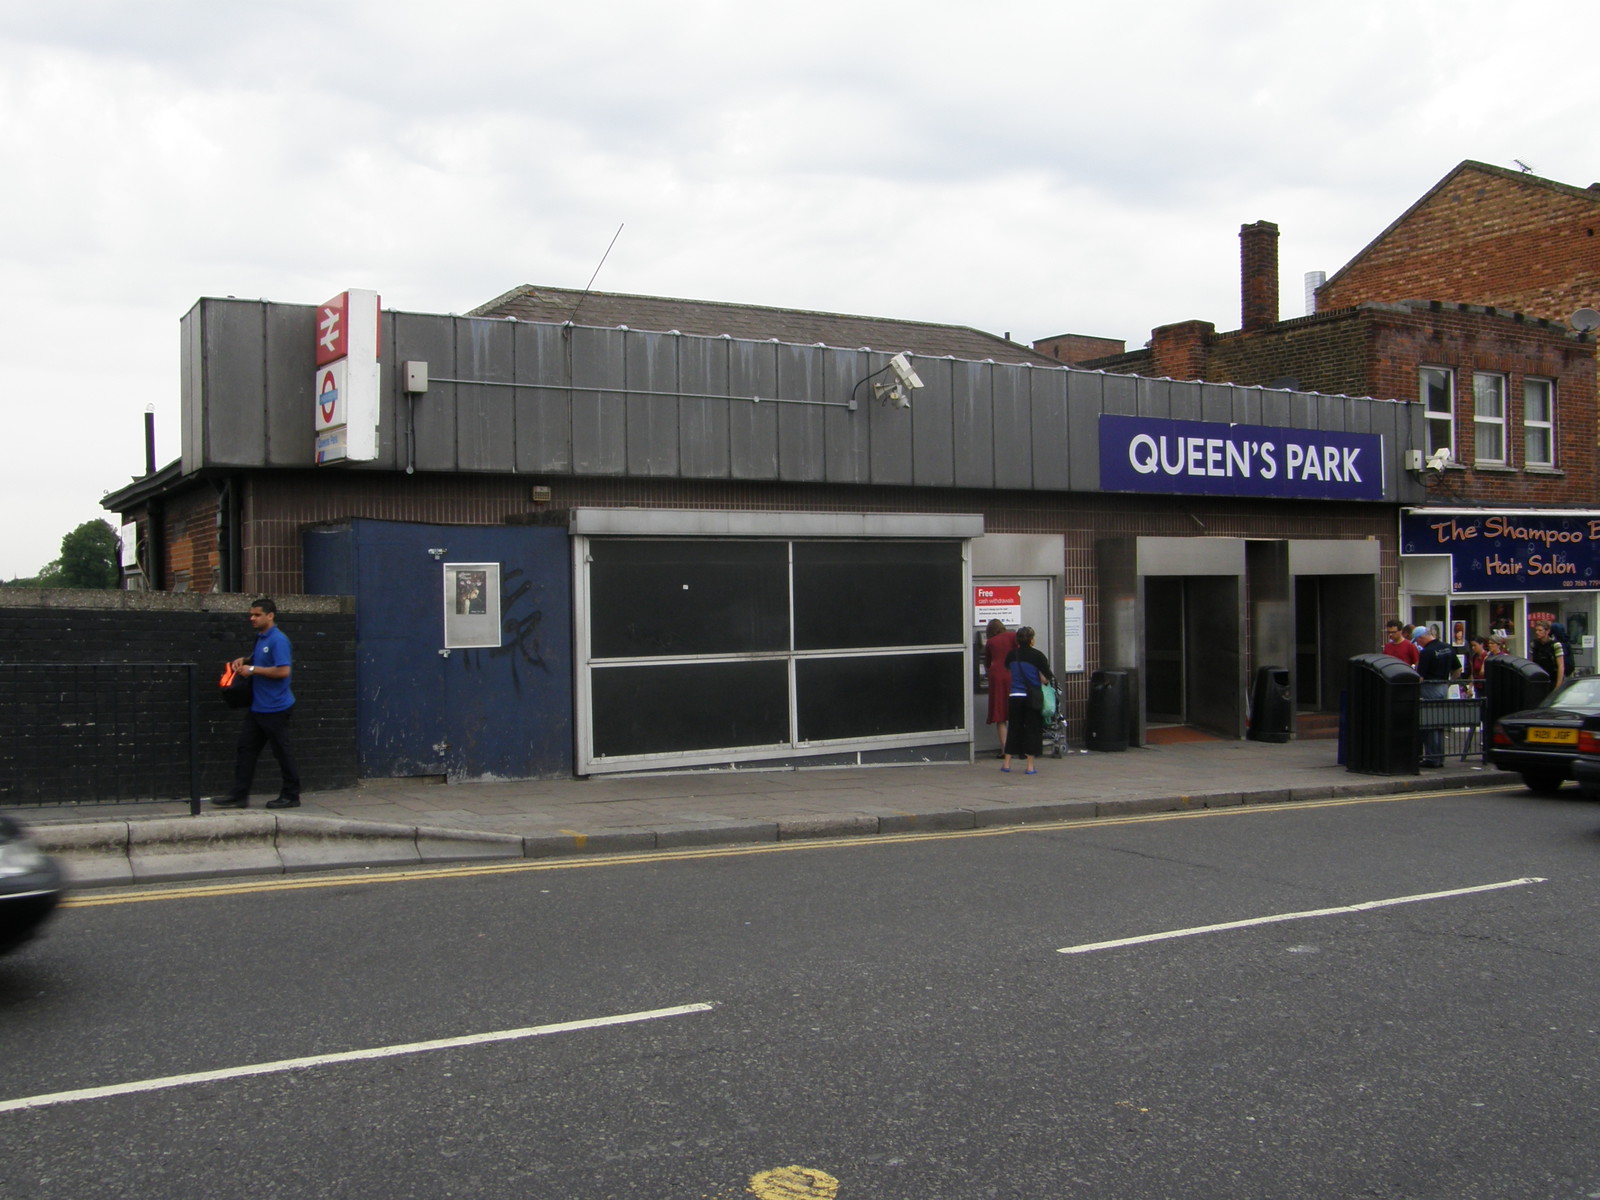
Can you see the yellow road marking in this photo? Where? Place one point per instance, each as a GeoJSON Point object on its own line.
{"type": "Point", "coordinates": [281, 883]}
{"type": "Point", "coordinates": [794, 1183]}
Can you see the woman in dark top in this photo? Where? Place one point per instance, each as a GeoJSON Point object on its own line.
{"type": "Point", "coordinates": [1025, 729]}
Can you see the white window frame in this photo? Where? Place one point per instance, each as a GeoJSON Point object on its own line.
{"type": "Point", "coordinates": [1489, 418]}
{"type": "Point", "coordinates": [1546, 427]}
{"type": "Point", "coordinates": [1440, 423]}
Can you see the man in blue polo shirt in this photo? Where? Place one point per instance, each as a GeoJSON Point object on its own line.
{"type": "Point", "coordinates": [271, 707]}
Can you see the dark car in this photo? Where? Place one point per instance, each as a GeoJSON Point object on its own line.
{"type": "Point", "coordinates": [1554, 743]}
{"type": "Point", "coordinates": [30, 885]}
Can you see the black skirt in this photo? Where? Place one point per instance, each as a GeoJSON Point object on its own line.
{"type": "Point", "coordinates": [1024, 729]}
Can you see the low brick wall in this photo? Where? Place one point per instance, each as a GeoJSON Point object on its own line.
{"type": "Point", "coordinates": [49, 748]}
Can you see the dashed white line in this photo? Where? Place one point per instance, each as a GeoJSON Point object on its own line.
{"type": "Point", "coordinates": [1277, 918]}
{"type": "Point", "coordinates": [321, 1060]}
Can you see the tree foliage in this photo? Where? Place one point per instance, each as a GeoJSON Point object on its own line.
{"type": "Point", "coordinates": [88, 560]}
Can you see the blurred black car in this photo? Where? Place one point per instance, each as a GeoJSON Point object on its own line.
{"type": "Point", "coordinates": [1553, 743]}
{"type": "Point", "coordinates": [30, 885]}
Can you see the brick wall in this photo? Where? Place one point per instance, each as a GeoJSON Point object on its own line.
{"type": "Point", "coordinates": [193, 550]}
{"type": "Point", "coordinates": [58, 742]}
{"type": "Point", "coordinates": [1487, 236]}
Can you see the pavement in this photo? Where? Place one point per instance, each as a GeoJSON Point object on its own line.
{"type": "Point", "coordinates": [396, 822]}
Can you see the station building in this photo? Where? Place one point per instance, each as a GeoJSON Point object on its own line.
{"type": "Point", "coordinates": [595, 533]}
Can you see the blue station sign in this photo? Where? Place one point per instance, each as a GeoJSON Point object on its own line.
{"type": "Point", "coordinates": [1206, 458]}
{"type": "Point", "coordinates": [1509, 552]}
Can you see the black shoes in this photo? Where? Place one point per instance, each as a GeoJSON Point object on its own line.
{"type": "Point", "coordinates": [227, 802]}
{"type": "Point", "coordinates": [284, 802]}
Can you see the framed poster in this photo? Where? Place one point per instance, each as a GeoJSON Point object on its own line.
{"type": "Point", "coordinates": [471, 605]}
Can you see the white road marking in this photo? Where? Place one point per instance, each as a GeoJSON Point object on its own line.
{"type": "Point", "coordinates": [1294, 916]}
{"type": "Point", "coordinates": [320, 1060]}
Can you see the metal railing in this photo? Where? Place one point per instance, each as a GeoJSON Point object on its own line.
{"type": "Point", "coordinates": [1457, 726]}
{"type": "Point", "coordinates": [99, 733]}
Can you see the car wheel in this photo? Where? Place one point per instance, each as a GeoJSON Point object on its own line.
{"type": "Point", "coordinates": [1542, 783]}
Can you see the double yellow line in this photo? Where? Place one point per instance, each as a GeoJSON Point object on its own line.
{"type": "Point", "coordinates": [282, 883]}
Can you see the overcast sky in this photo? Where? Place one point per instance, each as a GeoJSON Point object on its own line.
{"type": "Point", "coordinates": [1023, 167]}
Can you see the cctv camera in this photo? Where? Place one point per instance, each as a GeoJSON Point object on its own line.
{"type": "Point", "coordinates": [901, 365]}
{"type": "Point", "coordinates": [1438, 461]}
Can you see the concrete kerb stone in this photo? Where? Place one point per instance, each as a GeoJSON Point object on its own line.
{"type": "Point", "coordinates": [466, 845]}
{"type": "Point", "coordinates": [570, 841]}
{"type": "Point", "coordinates": [93, 855]}
{"type": "Point", "coordinates": [185, 848]}
{"type": "Point", "coordinates": [318, 843]}
{"type": "Point", "coordinates": [928, 822]}
{"type": "Point", "coordinates": [826, 825]}
{"type": "Point", "coordinates": [718, 833]}
{"type": "Point", "coordinates": [1026, 814]}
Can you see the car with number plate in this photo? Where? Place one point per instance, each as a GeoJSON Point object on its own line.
{"type": "Point", "coordinates": [30, 885]}
{"type": "Point", "coordinates": [1558, 741]}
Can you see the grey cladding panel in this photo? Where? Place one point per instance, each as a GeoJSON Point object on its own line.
{"type": "Point", "coordinates": [1121, 395]}
{"type": "Point", "coordinates": [891, 432]}
{"type": "Point", "coordinates": [485, 416]}
{"type": "Point", "coordinates": [235, 384]}
{"type": "Point", "coordinates": [430, 339]}
{"type": "Point", "coordinates": [1013, 431]}
{"type": "Point", "coordinates": [801, 434]}
{"type": "Point", "coordinates": [703, 424]}
{"type": "Point", "coordinates": [652, 419]}
{"type": "Point", "coordinates": [291, 366]}
{"type": "Point", "coordinates": [1216, 402]}
{"type": "Point", "coordinates": [933, 425]}
{"type": "Point", "coordinates": [1276, 408]}
{"type": "Point", "coordinates": [1333, 413]}
{"type": "Point", "coordinates": [191, 387]}
{"type": "Point", "coordinates": [544, 414]}
{"type": "Point", "coordinates": [847, 437]}
{"type": "Point", "coordinates": [1247, 406]}
{"type": "Point", "coordinates": [972, 406]}
{"type": "Point", "coordinates": [1154, 397]}
{"type": "Point", "coordinates": [1187, 400]}
{"type": "Point", "coordinates": [752, 427]}
{"type": "Point", "coordinates": [1085, 402]}
{"type": "Point", "coordinates": [599, 418]}
{"type": "Point", "coordinates": [1052, 469]}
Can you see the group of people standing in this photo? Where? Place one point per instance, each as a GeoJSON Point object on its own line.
{"type": "Point", "coordinates": [1018, 674]}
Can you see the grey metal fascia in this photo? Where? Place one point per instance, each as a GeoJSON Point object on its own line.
{"type": "Point", "coordinates": [640, 522]}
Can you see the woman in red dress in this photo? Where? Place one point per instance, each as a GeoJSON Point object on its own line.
{"type": "Point", "coordinates": [1001, 642]}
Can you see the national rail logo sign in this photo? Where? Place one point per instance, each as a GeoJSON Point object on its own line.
{"type": "Point", "coordinates": [345, 388]}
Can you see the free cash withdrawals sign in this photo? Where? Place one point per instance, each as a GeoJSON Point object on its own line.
{"type": "Point", "coordinates": [1206, 458]}
{"type": "Point", "coordinates": [1509, 551]}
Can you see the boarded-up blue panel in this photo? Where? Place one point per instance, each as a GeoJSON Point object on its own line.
{"type": "Point", "coordinates": [652, 367]}
{"type": "Point", "coordinates": [972, 407]}
{"type": "Point", "coordinates": [703, 423]}
{"type": "Point", "coordinates": [485, 420]}
{"type": "Point", "coordinates": [501, 712]}
{"type": "Point", "coordinates": [433, 413]}
{"type": "Point", "coordinates": [544, 413]}
{"type": "Point", "coordinates": [801, 456]}
{"type": "Point", "coordinates": [1051, 446]}
{"type": "Point", "coordinates": [600, 413]}
{"type": "Point", "coordinates": [753, 427]}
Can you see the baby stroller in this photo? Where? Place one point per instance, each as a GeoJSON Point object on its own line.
{"type": "Point", "coordinates": [1055, 724]}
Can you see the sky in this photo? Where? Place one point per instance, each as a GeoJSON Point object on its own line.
{"type": "Point", "coordinates": [1022, 167]}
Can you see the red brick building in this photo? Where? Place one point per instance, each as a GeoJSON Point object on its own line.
{"type": "Point", "coordinates": [1484, 235]}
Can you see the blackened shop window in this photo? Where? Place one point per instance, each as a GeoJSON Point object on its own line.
{"type": "Point", "coordinates": [858, 594]}
{"type": "Point", "coordinates": [662, 708]}
{"type": "Point", "coordinates": [678, 596]}
{"type": "Point", "coordinates": [879, 695]}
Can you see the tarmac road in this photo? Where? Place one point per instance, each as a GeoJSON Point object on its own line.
{"type": "Point", "coordinates": [885, 1017]}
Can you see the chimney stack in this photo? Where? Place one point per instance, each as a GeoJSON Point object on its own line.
{"type": "Point", "coordinates": [1258, 269]}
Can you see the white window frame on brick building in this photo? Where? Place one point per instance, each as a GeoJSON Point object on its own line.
{"type": "Point", "coordinates": [1436, 389]}
{"type": "Point", "coordinates": [1489, 419]}
{"type": "Point", "coordinates": [1539, 422]}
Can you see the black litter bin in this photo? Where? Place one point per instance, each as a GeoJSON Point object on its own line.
{"type": "Point", "coordinates": [1271, 710]}
{"type": "Point", "coordinates": [1510, 684]}
{"type": "Point", "coordinates": [1106, 723]}
{"type": "Point", "coordinates": [1385, 707]}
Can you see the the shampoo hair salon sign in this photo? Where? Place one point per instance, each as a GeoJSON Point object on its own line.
{"type": "Point", "coordinates": [1509, 551]}
{"type": "Point", "coordinates": [1148, 454]}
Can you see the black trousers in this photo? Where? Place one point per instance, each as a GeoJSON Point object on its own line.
{"type": "Point", "coordinates": [264, 729]}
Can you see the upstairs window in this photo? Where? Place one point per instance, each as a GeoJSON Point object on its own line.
{"type": "Point", "coordinates": [1489, 418]}
{"type": "Point", "coordinates": [1539, 422]}
{"type": "Point", "coordinates": [1437, 391]}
